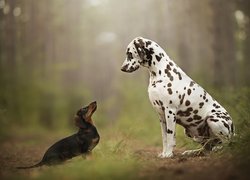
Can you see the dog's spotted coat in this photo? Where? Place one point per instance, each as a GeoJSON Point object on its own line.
{"type": "Point", "coordinates": [178, 99]}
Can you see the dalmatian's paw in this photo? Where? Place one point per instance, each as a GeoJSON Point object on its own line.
{"type": "Point", "coordinates": [166, 155]}
{"type": "Point", "coordinates": [196, 152]}
{"type": "Point", "coordinates": [217, 148]}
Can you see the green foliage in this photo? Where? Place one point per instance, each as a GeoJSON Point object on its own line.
{"type": "Point", "coordinates": [240, 146]}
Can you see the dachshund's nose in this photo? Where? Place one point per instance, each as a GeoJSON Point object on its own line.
{"type": "Point", "coordinates": [94, 103]}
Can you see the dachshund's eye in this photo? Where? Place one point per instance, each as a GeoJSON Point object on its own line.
{"type": "Point", "coordinates": [84, 110]}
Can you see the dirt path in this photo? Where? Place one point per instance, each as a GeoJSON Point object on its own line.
{"type": "Point", "coordinates": [179, 167]}
{"type": "Point", "coordinates": [14, 153]}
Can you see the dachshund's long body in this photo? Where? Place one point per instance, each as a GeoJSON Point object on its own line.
{"type": "Point", "coordinates": [82, 142]}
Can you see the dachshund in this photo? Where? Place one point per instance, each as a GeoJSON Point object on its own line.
{"type": "Point", "coordinates": [80, 143]}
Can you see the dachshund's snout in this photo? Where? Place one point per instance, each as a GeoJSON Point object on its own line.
{"type": "Point", "coordinates": [94, 103]}
{"type": "Point", "coordinates": [93, 106]}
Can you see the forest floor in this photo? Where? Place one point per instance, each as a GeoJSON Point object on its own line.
{"type": "Point", "coordinates": [23, 151]}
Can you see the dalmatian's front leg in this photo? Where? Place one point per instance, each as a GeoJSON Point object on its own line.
{"type": "Point", "coordinates": [164, 135]}
{"type": "Point", "coordinates": [168, 133]}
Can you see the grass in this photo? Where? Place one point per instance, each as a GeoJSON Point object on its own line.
{"type": "Point", "coordinates": [116, 156]}
{"type": "Point", "coordinates": [113, 158]}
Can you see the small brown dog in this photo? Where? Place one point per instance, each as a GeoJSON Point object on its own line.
{"type": "Point", "coordinates": [80, 143]}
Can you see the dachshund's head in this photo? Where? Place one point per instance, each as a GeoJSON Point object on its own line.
{"type": "Point", "coordinates": [83, 115]}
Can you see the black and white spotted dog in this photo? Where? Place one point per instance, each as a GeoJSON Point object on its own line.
{"type": "Point", "coordinates": [178, 99]}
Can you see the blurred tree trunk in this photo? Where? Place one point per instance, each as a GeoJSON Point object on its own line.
{"type": "Point", "coordinates": [184, 55]}
{"type": "Point", "coordinates": [247, 51]}
{"type": "Point", "coordinates": [243, 5]}
{"type": "Point", "coordinates": [8, 58]}
{"type": "Point", "coordinates": [224, 43]}
{"type": "Point", "coordinates": [10, 37]}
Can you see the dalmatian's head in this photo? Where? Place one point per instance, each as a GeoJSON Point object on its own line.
{"type": "Point", "coordinates": [139, 53]}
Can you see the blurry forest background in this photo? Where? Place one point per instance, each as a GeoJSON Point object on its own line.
{"type": "Point", "coordinates": [58, 55]}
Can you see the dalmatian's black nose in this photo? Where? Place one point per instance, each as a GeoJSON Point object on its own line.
{"type": "Point", "coordinates": [124, 68]}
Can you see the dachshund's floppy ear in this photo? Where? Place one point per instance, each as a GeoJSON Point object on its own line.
{"type": "Point", "coordinates": [140, 46]}
{"type": "Point", "coordinates": [79, 122]}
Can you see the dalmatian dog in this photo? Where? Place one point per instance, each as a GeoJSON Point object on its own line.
{"type": "Point", "coordinates": [178, 99]}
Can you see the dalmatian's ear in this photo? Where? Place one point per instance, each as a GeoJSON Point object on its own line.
{"type": "Point", "coordinates": [139, 44]}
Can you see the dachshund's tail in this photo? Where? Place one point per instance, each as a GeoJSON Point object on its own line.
{"type": "Point", "coordinates": [33, 166]}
